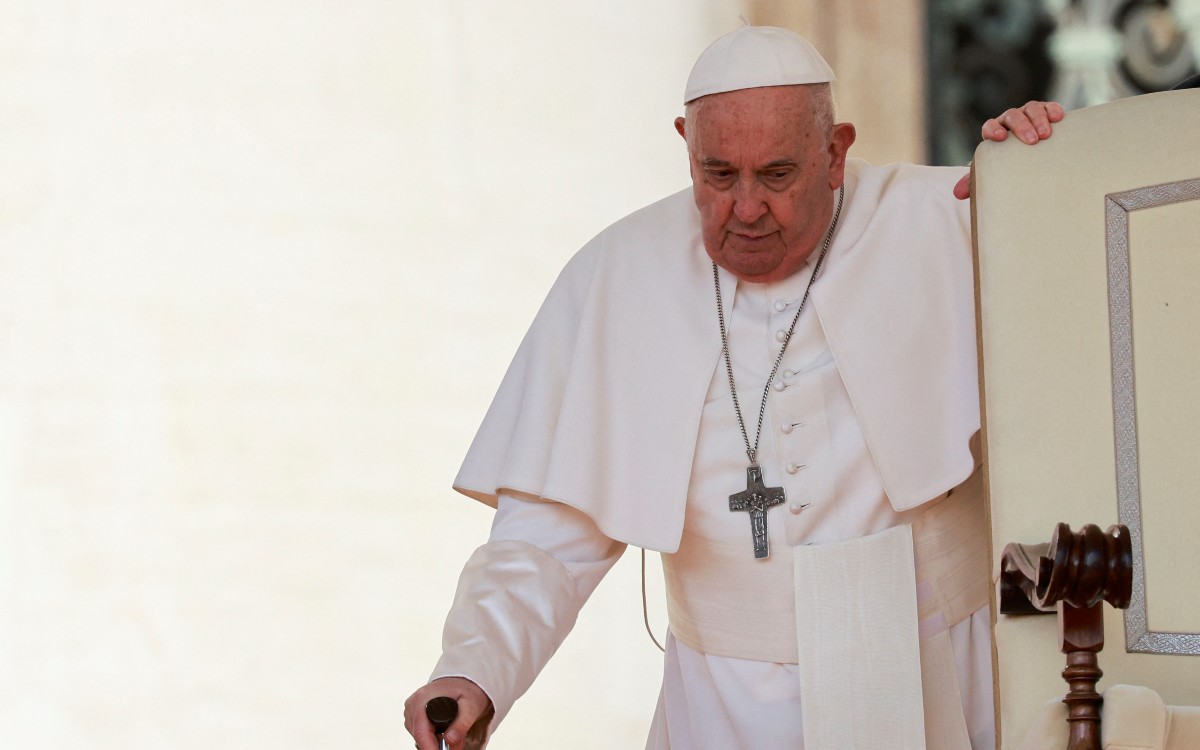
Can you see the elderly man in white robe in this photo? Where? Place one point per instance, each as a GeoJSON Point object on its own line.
{"type": "Point", "coordinates": [771, 379]}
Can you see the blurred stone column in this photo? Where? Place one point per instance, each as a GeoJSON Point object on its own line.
{"type": "Point", "coordinates": [877, 50]}
{"type": "Point", "coordinates": [1188, 12]}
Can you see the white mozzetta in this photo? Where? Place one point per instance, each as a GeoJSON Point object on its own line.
{"type": "Point", "coordinates": [601, 406]}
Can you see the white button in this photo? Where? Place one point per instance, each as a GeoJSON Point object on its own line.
{"type": "Point", "coordinates": [793, 468]}
{"type": "Point", "coordinates": [781, 336]}
{"type": "Point", "coordinates": [779, 385]}
{"type": "Point", "coordinates": [795, 508]}
{"type": "Point", "coordinates": [786, 427]}
{"type": "Point", "coordinates": [780, 305]}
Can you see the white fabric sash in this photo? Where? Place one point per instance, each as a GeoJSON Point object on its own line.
{"type": "Point", "coordinates": [860, 659]}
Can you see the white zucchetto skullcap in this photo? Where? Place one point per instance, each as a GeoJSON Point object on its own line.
{"type": "Point", "coordinates": [755, 56]}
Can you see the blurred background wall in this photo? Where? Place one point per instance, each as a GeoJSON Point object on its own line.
{"type": "Point", "coordinates": [262, 265]}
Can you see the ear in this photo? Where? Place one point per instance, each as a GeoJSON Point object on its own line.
{"type": "Point", "coordinates": [840, 140]}
{"type": "Point", "coordinates": [679, 128]}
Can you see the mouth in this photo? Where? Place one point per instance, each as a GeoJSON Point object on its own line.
{"type": "Point", "coordinates": [751, 240]}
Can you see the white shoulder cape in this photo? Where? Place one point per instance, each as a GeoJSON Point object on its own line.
{"type": "Point", "coordinates": [601, 405]}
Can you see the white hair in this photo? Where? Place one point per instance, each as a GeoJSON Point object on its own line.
{"type": "Point", "coordinates": [823, 111]}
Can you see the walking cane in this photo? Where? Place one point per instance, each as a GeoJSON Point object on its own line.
{"type": "Point", "coordinates": [441, 712]}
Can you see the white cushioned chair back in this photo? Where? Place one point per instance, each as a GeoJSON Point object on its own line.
{"type": "Point", "coordinates": [1091, 395]}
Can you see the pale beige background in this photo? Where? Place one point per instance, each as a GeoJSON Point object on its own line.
{"type": "Point", "coordinates": [262, 265]}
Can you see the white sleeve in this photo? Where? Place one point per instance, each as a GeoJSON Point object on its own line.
{"type": "Point", "coordinates": [519, 594]}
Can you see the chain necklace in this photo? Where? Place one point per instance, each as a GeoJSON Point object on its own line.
{"type": "Point", "coordinates": [757, 497]}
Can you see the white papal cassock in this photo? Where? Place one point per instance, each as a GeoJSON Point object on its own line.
{"type": "Point", "coordinates": [615, 426]}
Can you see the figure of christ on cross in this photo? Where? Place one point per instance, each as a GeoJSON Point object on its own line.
{"type": "Point", "coordinates": [755, 499]}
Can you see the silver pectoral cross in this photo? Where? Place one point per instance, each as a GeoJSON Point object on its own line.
{"type": "Point", "coordinates": [755, 499]}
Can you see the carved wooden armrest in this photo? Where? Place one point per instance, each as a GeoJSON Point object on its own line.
{"type": "Point", "coordinates": [1073, 575]}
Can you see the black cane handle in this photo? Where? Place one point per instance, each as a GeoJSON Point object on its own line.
{"type": "Point", "coordinates": [441, 713]}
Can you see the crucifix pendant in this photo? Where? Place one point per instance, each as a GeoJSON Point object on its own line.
{"type": "Point", "coordinates": [755, 499]}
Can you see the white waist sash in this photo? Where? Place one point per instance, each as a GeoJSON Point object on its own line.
{"type": "Point", "coordinates": [867, 621]}
{"type": "Point", "coordinates": [859, 654]}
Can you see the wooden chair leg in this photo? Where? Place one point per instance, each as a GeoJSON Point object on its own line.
{"type": "Point", "coordinates": [1074, 574]}
{"type": "Point", "coordinates": [1081, 637]}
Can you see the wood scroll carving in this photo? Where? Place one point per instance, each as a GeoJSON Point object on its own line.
{"type": "Point", "coordinates": [1073, 575]}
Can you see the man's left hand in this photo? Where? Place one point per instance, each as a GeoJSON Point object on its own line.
{"type": "Point", "coordinates": [1031, 123]}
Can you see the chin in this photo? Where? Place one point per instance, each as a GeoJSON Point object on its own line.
{"type": "Point", "coordinates": [756, 265]}
{"type": "Point", "coordinates": [755, 274]}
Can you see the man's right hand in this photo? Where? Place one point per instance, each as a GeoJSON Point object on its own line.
{"type": "Point", "coordinates": [473, 704]}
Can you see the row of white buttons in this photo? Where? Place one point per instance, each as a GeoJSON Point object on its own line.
{"type": "Point", "coordinates": [787, 427]}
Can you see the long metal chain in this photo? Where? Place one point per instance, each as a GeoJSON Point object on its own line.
{"type": "Point", "coordinates": [752, 451]}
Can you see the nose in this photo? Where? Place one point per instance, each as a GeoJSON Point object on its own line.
{"type": "Point", "coordinates": [748, 203]}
